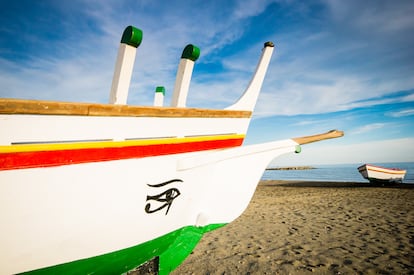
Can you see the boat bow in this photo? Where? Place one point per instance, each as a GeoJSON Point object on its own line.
{"type": "Point", "coordinates": [155, 178]}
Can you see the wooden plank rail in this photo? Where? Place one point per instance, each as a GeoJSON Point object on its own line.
{"type": "Point", "coordinates": [319, 137]}
{"type": "Point", "coordinates": [43, 107]}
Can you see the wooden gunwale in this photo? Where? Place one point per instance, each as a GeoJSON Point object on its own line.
{"type": "Point", "coordinates": [44, 107]}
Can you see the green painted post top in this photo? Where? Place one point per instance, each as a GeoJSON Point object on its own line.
{"type": "Point", "coordinates": [160, 89]}
{"type": "Point", "coordinates": [132, 36]}
{"type": "Point", "coordinates": [191, 52]}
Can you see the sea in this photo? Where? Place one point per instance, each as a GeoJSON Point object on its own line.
{"type": "Point", "coordinates": [335, 172]}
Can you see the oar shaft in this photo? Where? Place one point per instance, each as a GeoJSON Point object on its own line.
{"type": "Point", "coordinates": [319, 137]}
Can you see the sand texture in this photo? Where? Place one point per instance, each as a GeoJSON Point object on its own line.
{"type": "Point", "coordinates": [319, 228]}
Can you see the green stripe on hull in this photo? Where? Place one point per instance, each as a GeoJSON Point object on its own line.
{"type": "Point", "coordinates": [171, 249]}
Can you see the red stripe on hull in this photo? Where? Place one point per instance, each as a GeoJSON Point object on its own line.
{"type": "Point", "coordinates": [22, 160]}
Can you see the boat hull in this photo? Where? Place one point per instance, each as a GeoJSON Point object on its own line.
{"type": "Point", "coordinates": [105, 188]}
{"type": "Point", "coordinates": [81, 211]}
{"type": "Point", "coordinates": [381, 174]}
{"type": "Point", "coordinates": [93, 185]}
{"type": "Point", "coordinates": [102, 188]}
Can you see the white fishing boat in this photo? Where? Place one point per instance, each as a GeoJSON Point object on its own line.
{"type": "Point", "coordinates": [107, 188]}
{"type": "Point", "coordinates": [375, 173]}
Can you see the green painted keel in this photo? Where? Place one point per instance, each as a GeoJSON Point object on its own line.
{"type": "Point", "coordinates": [172, 249]}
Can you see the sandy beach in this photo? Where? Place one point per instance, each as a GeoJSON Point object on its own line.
{"type": "Point", "coordinates": [312, 227]}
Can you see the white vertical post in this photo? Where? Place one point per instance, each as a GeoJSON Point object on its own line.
{"type": "Point", "coordinates": [159, 96]}
{"type": "Point", "coordinates": [131, 39]}
{"type": "Point", "coordinates": [184, 72]}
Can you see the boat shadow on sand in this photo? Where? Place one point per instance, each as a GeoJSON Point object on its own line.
{"type": "Point", "coordinates": [328, 184]}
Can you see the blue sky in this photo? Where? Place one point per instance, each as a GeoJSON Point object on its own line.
{"type": "Point", "coordinates": [345, 65]}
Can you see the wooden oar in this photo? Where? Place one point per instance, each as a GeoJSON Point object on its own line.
{"type": "Point", "coordinates": [319, 137]}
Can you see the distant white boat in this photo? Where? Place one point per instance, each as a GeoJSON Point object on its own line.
{"type": "Point", "coordinates": [381, 174]}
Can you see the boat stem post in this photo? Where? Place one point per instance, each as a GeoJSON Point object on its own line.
{"type": "Point", "coordinates": [248, 100]}
{"type": "Point", "coordinates": [183, 78]}
{"type": "Point", "coordinates": [131, 39]}
{"type": "Point", "coordinates": [159, 96]}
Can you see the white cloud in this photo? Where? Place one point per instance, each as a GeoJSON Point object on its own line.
{"type": "Point", "coordinates": [402, 113]}
{"type": "Point", "coordinates": [368, 128]}
{"type": "Point", "coordinates": [374, 16]}
{"type": "Point", "coordinates": [246, 9]}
